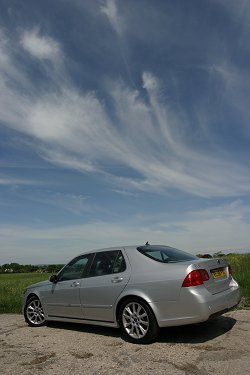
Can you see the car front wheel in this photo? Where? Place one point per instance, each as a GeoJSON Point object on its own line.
{"type": "Point", "coordinates": [137, 321]}
{"type": "Point", "coordinates": [33, 312]}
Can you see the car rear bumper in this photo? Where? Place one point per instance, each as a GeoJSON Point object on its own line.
{"type": "Point", "coordinates": [195, 305]}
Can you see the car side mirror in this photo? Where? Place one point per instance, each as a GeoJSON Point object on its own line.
{"type": "Point", "coordinates": [53, 279]}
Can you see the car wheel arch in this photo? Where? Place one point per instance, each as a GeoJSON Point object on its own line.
{"type": "Point", "coordinates": [129, 297]}
{"type": "Point", "coordinates": [137, 320]}
{"type": "Point", "coordinates": [32, 294]}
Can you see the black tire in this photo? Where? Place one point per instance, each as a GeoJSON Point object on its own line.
{"type": "Point", "coordinates": [137, 321]}
{"type": "Point", "coordinates": [33, 312]}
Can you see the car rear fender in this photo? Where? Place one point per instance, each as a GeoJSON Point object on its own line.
{"type": "Point", "coordinates": [130, 294]}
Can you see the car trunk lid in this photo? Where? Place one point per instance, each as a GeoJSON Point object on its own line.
{"type": "Point", "coordinates": [218, 271]}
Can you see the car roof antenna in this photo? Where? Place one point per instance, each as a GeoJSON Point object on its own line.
{"type": "Point", "coordinates": [147, 243]}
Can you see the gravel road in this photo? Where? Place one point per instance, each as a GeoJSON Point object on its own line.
{"type": "Point", "coordinates": [221, 346]}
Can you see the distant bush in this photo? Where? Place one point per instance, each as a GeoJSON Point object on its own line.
{"type": "Point", "coordinates": [28, 268]}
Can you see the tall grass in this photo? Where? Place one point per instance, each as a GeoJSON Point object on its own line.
{"type": "Point", "coordinates": [240, 264]}
{"type": "Point", "coordinates": [12, 287]}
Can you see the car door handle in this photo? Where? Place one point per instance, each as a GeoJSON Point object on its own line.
{"type": "Point", "coordinates": [75, 283]}
{"type": "Point", "coordinates": [116, 279]}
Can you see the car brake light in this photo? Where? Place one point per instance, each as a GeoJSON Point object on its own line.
{"type": "Point", "coordinates": [194, 278]}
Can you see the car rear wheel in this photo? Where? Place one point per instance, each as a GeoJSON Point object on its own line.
{"type": "Point", "coordinates": [33, 312]}
{"type": "Point", "coordinates": [137, 321]}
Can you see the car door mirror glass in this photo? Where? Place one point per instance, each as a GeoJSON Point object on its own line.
{"type": "Point", "coordinates": [53, 279]}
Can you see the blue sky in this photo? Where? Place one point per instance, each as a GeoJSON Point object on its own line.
{"type": "Point", "coordinates": [123, 122]}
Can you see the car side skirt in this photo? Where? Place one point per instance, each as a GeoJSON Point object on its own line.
{"type": "Point", "coordinates": [81, 321]}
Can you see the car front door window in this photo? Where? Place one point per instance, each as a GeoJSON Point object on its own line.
{"type": "Point", "coordinates": [75, 269]}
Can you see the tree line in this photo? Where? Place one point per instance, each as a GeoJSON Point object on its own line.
{"type": "Point", "coordinates": [27, 268]}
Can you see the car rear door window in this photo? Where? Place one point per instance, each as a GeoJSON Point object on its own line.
{"type": "Point", "coordinates": [107, 262]}
{"type": "Point", "coordinates": [120, 264]}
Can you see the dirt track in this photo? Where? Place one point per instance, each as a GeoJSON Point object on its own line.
{"type": "Point", "coordinates": [221, 346]}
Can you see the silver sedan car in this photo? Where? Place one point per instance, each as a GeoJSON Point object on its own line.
{"type": "Point", "coordinates": [139, 289]}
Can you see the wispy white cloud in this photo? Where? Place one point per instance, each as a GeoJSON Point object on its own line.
{"type": "Point", "coordinates": [238, 11]}
{"type": "Point", "coordinates": [224, 227]}
{"type": "Point", "coordinates": [195, 232]}
{"type": "Point", "coordinates": [41, 47]}
{"type": "Point", "coordinates": [7, 180]}
{"type": "Point", "coordinates": [76, 204]}
{"type": "Point", "coordinates": [109, 8]}
{"type": "Point", "coordinates": [73, 128]}
{"type": "Point", "coordinates": [67, 160]}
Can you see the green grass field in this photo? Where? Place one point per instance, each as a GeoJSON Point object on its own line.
{"type": "Point", "coordinates": [13, 285]}
{"type": "Point", "coordinates": [241, 272]}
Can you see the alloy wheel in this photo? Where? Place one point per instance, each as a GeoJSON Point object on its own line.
{"type": "Point", "coordinates": [135, 320]}
{"type": "Point", "coordinates": [34, 312]}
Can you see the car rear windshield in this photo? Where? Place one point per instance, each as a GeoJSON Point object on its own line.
{"type": "Point", "coordinates": [165, 254]}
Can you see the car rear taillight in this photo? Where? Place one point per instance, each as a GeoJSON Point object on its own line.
{"type": "Point", "coordinates": [195, 278]}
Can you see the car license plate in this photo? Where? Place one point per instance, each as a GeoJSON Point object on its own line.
{"type": "Point", "coordinates": [218, 273]}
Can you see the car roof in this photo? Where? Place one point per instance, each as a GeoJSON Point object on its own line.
{"type": "Point", "coordinates": [127, 248]}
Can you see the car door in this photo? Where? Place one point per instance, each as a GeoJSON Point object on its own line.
{"type": "Point", "coordinates": [107, 277]}
{"type": "Point", "coordinates": [62, 298]}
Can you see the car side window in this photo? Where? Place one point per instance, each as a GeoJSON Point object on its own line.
{"type": "Point", "coordinates": [120, 264]}
{"type": "Point", "coordinates": [75, 269]}
{"type": "Point", "coordinates": [107, 262]}
{"type": "Point", "coordinates": [158, 255]}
